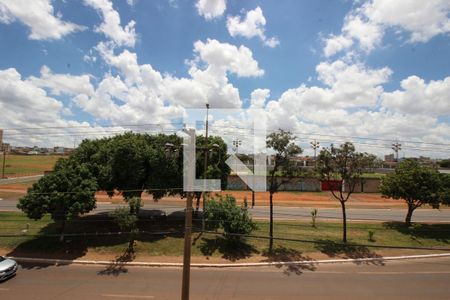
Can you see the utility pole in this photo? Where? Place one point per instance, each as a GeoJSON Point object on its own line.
{"type": "Point", "coordinates": [4, 161]}
{"type": "Point", "coordinates": [205, 166]}
{"type": "Point", "coordinates": [3, 148]}
{"type": "Point", "coordinates": [396, 147]}
{"type": "Point", "coordinates": [315, 146]}
{"type": "Point", "coordinates": [188, 158]}
{"type": "Point", "coordinates": [187, 248]}
{"type": "Point", "coordinates": [206, 146]}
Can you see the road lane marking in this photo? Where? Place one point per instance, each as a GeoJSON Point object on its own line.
{"type": "Point", "coordinates": [127, 296]}
{"type": "Point", "coordinates": [432, 272]}
{"type": "Point", "coordinates": [412, 272]}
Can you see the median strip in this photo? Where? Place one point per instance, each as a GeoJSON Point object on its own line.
{"type": "Point", "coordinates": [127, 296]}
{"type": "Point", "coordinates": [226, 265]}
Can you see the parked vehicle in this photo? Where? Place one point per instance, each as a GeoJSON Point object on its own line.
{"type": "Point", "coordinates": [8, 268]}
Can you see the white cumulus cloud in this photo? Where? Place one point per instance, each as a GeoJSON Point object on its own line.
{"type": "Point", "coordinates": [419, 97]}
{"type": "Point", "coordinates": [63, 83]}
{"type": "Point", "coordinates": [111, 25]}
{"type": "Point", "coordinates": [211, 9]}
{"type": "Point", "coordinates": [366, 24]}
{"type": "Point", "coordinates": [422, 19]}
{"type": "Point", "coordinates": [228, 57]}
{"type": "Point", "coordinates": [258, 98]}
{"type": "Point", "coordinates": [335, 44]}
{"type": "Point", "coordinates": [39, 16]}
{"type": "Point", "coordinates": [24, 105]}
{"type": "Point", "coordinates": [251, 26]}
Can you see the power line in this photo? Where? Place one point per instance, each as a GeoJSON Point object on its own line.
{"type": "Point", "coordinates": [226, 127]}
{"type": "Point", "coordinates": [90, 126]}
{"type": "Point", "coordinates": [340, 136]}
{"type": "Point", "coordinates": [105, 133]}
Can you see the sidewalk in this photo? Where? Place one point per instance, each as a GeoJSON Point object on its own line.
{"type": "Point", "coordinates": [194, 264]}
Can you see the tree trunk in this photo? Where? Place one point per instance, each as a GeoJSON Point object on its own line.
{"type": "Point", "coordinates": [344, 223]}
{"type": "Point", "coordinates": [130, 249]}
{"type": "Point", "coordinates": [409, 214]}
{"type": "Point", "coordinates": [131, 208]}
{"type": "Point", "coordinates": [63, 227]}
{"type": "Point", "coordinates": [271, 224]}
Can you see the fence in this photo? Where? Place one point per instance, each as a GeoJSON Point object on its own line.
{"type": "Point", "coordinates": [295, 184]}
{"type": "Point", "coordinates": [308, 184]}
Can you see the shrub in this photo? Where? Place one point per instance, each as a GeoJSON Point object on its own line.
{"type": "Point", "coordinates": [224, 213]}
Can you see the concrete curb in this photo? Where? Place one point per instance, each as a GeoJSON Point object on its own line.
{"type": "Point", "coordinates": [58, 262]}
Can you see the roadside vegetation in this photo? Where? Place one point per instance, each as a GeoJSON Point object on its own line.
{"type": "Point", "coordinates": [346, 164]}
{"type": "Point", "coordinates": [56, 219]}
{"type": "Point", "coordinates": [162, 236]}
{"type": "Point", "coordinates": [416, 185]}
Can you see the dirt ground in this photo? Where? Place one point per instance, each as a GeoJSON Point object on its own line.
{"type": "Point", "coordinates": [297, 199]}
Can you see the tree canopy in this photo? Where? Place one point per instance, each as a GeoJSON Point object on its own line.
{"type": "Point", "coordinates": [129, 164]}
{"type": "Point", "coordinates": [445, 163]}
{"type": "Point", "coordinates": [66, 193]}
{"type": "Point", "coordinates": [416, 185]}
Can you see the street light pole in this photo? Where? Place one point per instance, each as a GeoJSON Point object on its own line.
{"type": "Point", "coordinates": [205, 171]}
{"type": "Point", "coordinates": [315, 146]}
{"type": "Point", "coordinates": [4, 163]}
{"type": "Point", "coordinates": [206, 146]}
{"type": "Point", "coordinates": [236, 144]}
{"type": "Point", "coordinates": [396, 147]}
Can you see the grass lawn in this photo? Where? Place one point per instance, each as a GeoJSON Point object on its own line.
{"type": "Point", "coordinates": [373, 175]}
{"type": "Point", "coordinates": [21, 165]}
{"type": "Point", "coordinates": [37, 238]}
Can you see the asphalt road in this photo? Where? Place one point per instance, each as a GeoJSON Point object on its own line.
{"type": "Point", "coordinates": [289, 213]}
{"type": "Point", "coordinates": [414, 279]}
{"type": "Point", "coordinates": [20, 179]}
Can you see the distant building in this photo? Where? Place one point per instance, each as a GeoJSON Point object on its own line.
{"type": "Point", "coordinates": [62, 150]}
{"type": "Point", "coordinates": [21, 150]}
{"type": "Point", "coordinates": [59, 150]}
{"type": "Point", "coordinates": [425, 161]}
{"type": "Point", "coordinates": [389, 158]}
{"type": "Point", "coordinates": [6, 148]}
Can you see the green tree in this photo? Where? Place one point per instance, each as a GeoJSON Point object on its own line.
{"type": "Point", "coordinates": [417, 185]}
{"type": "Point", "coordinates": [444, 193]}
{"type": "Point", "coordinates": [216, 149]}
{"type": "Point", "coordinates": [226, 214]}
{"type": "Point", "coordinates": [445, 163]}
{"type": "Point", "coordinates": [127, 222]}
{"type": "Point", "coordinates": [66, 193]}
{"type": "Point", "coordinates": [282, 142]}
{"type": "Point", "coordinates": [133, 163]}
{"type": "Point", "coordinates": [342, 163]}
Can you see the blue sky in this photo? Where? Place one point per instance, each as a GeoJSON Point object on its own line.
{"type": "Point", "coordinates": [370, 69]}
